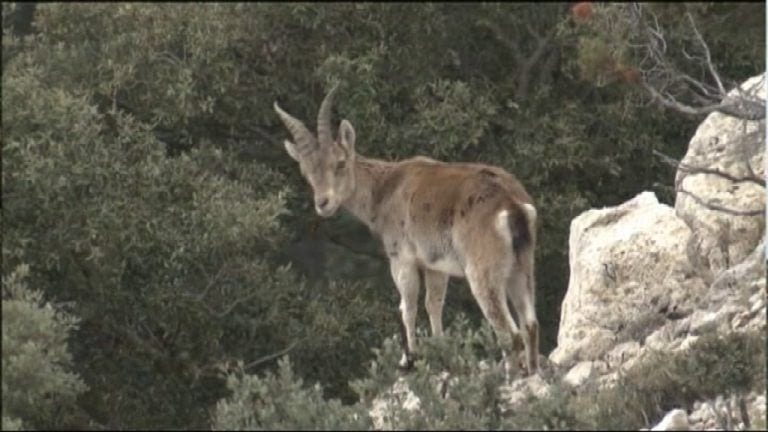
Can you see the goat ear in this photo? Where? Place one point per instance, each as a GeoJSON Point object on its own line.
{"type": "Point", "coordinates": [291, 149]}
{"type": "Point", "coordinates": [347, 136]}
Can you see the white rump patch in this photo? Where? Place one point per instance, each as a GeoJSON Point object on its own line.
{"type": "Point", "coordinates": [530, 211]}
{"type": "Point", "coordinates": [502, 226]}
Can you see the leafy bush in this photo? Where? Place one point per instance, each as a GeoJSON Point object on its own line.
{"type": "Point", "coordinates": [170, 260]}
{"type": "Point", "coordinates": [39, 387]}
{"type": "Point", "coordinates": [280, 401]}
{"type": "Point", "coordinates": [714, 365]}
{"type": "Point", "coordinates": [456, 380]}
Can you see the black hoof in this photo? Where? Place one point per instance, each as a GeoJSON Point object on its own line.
{"type": "Point", "coordinates": [410, 359]}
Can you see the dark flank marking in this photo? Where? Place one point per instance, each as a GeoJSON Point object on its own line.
{"type": "Point", "coordinates": [487, 189]}
{"type": "Point", "coordinates": [387, 187]}
{"type": "Point", "coordinates": [446, 217]}
{"type": "Point", "coordinates": [521, 235]}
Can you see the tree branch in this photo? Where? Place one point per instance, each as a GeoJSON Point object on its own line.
{"type": "Point", "coordinates": [701, 170]}
{"type": "Point", "coordinates": [269, 357]}
{"type": "Point", "coordinates": [707, 55]}
{"type": "Point", "coordinates": [227, 310]}
{"type": "Point", "coordinates": [511, 45]}
{"type": "Point", "coordinates": [727, 108]}
{"type": "Point", "coordinates": [662, 78]}
{"type": "Point", "coordinates": [542, 43]}
{"type": "Point", "coordinates": [720, 208]}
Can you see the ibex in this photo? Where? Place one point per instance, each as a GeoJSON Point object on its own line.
{"type": "Point", "coordinates": [445, 219]}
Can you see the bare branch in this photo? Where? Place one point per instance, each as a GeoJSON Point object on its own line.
{"type": "Point", "coordinates": [663, 79]}
{"type": "Point", "coordinates": [542, 43]}
{"type": "Point", "coordinates": [707, 55]}
{"type": "Point", "coordinates": [718, 207]}
{"type": "Point", "coordinates": [269, 357]}
{"type": "Point", "coordinates": [705, 89]}
{"type": "Point", "coordinates": [524, 64]}
{"type": "Point", "coordinates": [729, 108]}
{"type": "Point", "coordinates": [211, 282]}
{"type": "Point", "coordinates": [231, 306]}
{"type": "Point", "coordinates": [512, 46]}
{"type": "Point", "coordinates": [701, 170]}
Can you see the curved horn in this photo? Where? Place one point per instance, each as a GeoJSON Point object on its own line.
{"type": "Point", "coordinates": [324, 134]}
{"type": "Point", "coordinates": [301, 134]}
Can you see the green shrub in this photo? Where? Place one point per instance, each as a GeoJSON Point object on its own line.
{"type": "Point", "coordinates": [170, 260]}
{"type": "Point", "coordinates": [280, 401]}
{"type": "Point", "coordinates": [468, 399]}
{"type": "Point", "coordinates": [39, 387]}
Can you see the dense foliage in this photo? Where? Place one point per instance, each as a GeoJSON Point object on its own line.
{"type": "Point", "coordinates": [39, 388]}
{"type": "Point", "coordinates": [459, 390]}
{"type": "Point", "coordinates": [145, 185]}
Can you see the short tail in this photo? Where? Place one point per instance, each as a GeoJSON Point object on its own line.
{"type": "Point", "coordinates": [517, 227]}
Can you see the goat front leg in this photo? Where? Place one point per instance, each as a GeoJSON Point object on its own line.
{"type": "Point", "coordinates": [406, 277]}
{"type": "Point", "coordinates": [436, 284]}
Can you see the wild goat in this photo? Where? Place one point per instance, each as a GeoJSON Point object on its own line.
{"type": "Point", "coordinates": [444, 219]}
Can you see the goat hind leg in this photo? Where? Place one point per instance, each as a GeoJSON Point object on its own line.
{"type": "Point", "coordinates": [520, 294]}
{"type": "Point", "coordinates": [489, 291]}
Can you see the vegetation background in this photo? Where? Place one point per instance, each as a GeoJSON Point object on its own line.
{"type": "Point", "coordinates": [159, 247]}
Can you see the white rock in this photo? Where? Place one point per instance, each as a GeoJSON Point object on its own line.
{"type": "Point", "coordinates": [608, 380]}
{"type": "Point", "coordinates": [642, 258]}
{"type": "Point", "coordinates": [660, 339]}
{"type": "Point", "coordinates": [759, 321]}
{"type": "Point", "coordinates": [757, 301]}
{"type": "Point", "coordinates": [519, 391]}
{"type": "Point", "coordinates": [703, 322]}
{"type": "Point", "coordinates": [757, 410]}
{"type": "Point", "coordinates": [687, 342]}
{"type": "Point", "coordinates": [741, 320]}
{"type": "Point", "coordinates": [624, 260]}
{"type": "Point", "coordinates": [724, 143]}
{"type": "Point", "coordinates": [580, 373]}
{"type": "Point", "coordinates": [622, 352]}
{"type": "Point", "coordinates": [386, 405]}
{"type": "Point", "coordinates": [676, 419]}
{"type": "Point", "coordinates": [745, 279]}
